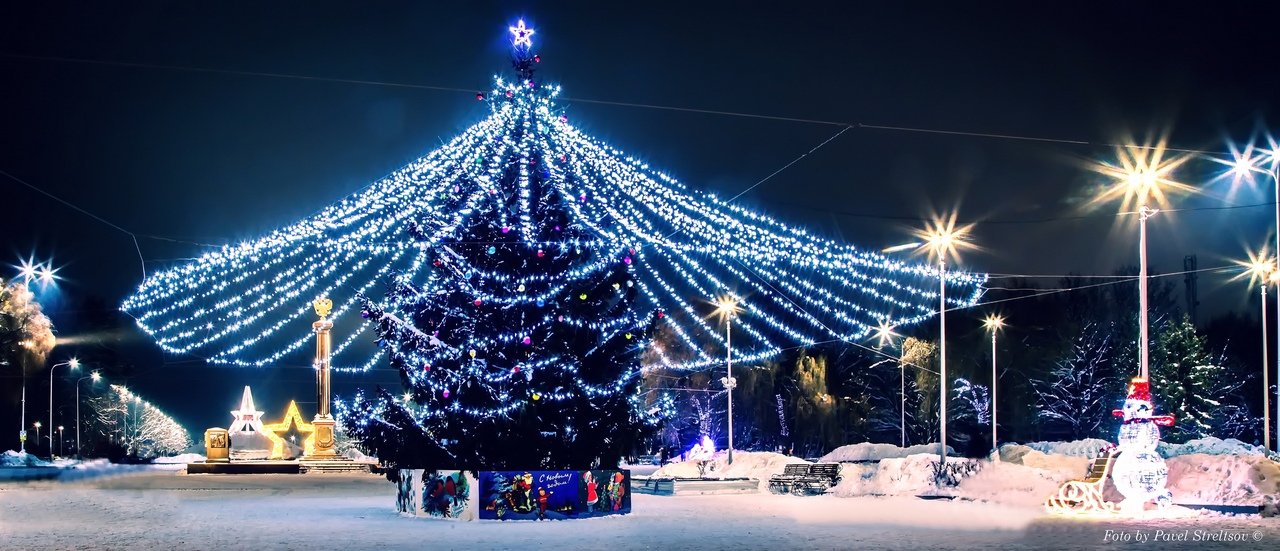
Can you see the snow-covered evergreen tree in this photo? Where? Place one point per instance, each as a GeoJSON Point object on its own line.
{"type": "Point", "coordinates": [1189, 383]}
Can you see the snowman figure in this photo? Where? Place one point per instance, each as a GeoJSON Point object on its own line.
{"type": "Point", "coordinates": [1139, 472]}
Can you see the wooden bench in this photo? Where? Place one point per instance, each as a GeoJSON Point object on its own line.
{"type": "Point", "coordinates": [805, 478]}
{"type": "Point", "coordinates": [1085, 496]}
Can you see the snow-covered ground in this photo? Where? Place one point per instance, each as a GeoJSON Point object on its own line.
{"type": "Point", "coordinates": [164, 510]}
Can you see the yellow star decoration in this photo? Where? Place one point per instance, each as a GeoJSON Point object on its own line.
{"type": "Point", "coordinates": [275, 432]}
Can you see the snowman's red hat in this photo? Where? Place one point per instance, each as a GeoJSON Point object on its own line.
{"type": "Point", "coordinates": [1140, 389]}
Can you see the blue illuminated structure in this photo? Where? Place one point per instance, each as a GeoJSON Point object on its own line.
{"type": "Point", "coordinates": [248, 304]}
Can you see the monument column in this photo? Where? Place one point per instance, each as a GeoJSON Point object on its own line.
{"type": "Point", "coordinates": [323, 421]}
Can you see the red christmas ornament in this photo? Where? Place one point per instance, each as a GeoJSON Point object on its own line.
{"type": "Point", "coordinates": [626, 260]}
{"type": "Point", "coordinates": [510, 93]}
{"type": "Point", "coordinates": [660, 314]}
{"type": "Point", "coordinates": [478, 302]}
{"type": "Point", "coordinates": [564, 158]}
{"type": "Point", "coordinates": [479, 96]}
{"type": "Point", "coordinates": [540, 253]}
{"type": "Point", "coordinates": [537, 59]}
{"type": "Point", "coordinates": [426, 367]}
{"type": "Point", "coordinates": [445, 393]}
{"type": "Point", "coordinates": [564, 118]}
{"type": "Point", "coordinates": [527, 340]}
{"type": "Point", "coordinates": [506, 229]}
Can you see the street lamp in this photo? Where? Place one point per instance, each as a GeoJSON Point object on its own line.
{"type": "Point", "coordinates": [1259, 268]}
{"type": "Point", "coordinates": [727, 308]}
{"type": "Point", "coordinates": [885, 335]}
{"type": "Point", "coordinates": [59, 441]}
{"type": "Point", "coordinates": [994, 323]}
{"type": "Point", "coordinates": [941, 241]}
{"type": "Point", "coordinates": [95, 376]}
{"type": "Point", "coordinates": [1244, 165]}
{"type": "Point", "coordinates": [37, 426]}
{"type": "Point", "coordinates": [73, 364]}
{"type": "Point", "coordinates": [1140, 178]}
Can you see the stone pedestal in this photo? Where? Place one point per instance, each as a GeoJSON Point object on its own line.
{"type": "Point", "coordinates": [217, 445]}
{"type": "Point", "coordinates": [323, 439]}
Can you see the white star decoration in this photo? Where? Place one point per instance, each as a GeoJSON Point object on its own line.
{"type": "Point", "coordinates": [522, 35]}
{"type": "Point", "coordinates": [247, 419]}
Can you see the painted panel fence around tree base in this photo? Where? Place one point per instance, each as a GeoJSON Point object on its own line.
{"type": "Point", "coordinates": [514, 495]}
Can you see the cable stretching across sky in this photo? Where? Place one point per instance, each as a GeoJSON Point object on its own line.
{"type": "Point", "coordinates": [248, 304]}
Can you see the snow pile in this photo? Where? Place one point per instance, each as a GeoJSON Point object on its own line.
{"type": "Point", "coordinates": [1019, 454]}
{"type": "Point", "coordinates": [758, 465]}
{"type": "Point", "coordinates": [906, 476]}
{"type": "Point", "coordinates": [1023, 476]}
{"type": "Point", "coordinates": [357, 455]}
{"type": "Point", "coordinates": [1223, 479]}
{"type": "Point", "coordinates": [1089, 447]}
{"type": "Point", "coordinates": [12, 458]}
{"type": "Point", "coordinates": [1210, 446]}
{"type": "Point", "coordinates": [176, 459]}
{"type": "Point", "coordinates": [867, 451]}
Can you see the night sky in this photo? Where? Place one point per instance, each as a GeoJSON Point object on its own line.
{"type": "Point", "coordinates": [164, 121]}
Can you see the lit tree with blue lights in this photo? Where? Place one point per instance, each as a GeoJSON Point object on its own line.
{"type": "Point", "coordinates": [526, 214]}
{"type": "Point", "coordinates": [521, 344]}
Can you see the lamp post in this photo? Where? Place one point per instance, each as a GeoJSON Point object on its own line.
{"type": "Point", "coordinates": [994, 323]}
{"type": "Point", "coordinates": [941, 239]}
{"type": "Point", "coordinates": [73, 364]}
{"type": "Point", "coordinates": [1244, 165]}
{"type": "Point", "coordinates": [1259, 268]}
{"type": "Point", "coordinates": [59, 441]}
{"type": "Point", "coordinates": [37, 427]}
{"type": "Point", "coordinates": [95, 376]}
{"type": "Point", "coordinates": [727, 307]}
{"type": "Point", "coordinates": [885, 334]}
{"type": "Point", "coordinates": [1141, 178]}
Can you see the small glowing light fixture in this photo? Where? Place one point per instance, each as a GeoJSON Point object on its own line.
{"type": "Point", "coordinates": [521, 35]}
{"type": "Point", "coordinates": [727, 306]}
{"type": "Point", "coordinates": [993, 322]}
{"type": "Point", "coordinates": [1259, 268]}
{"type": "Point", "coordinates": [943, 239]}
{"type": "Point", "coordinates": [884, 334]}
{"type": "Point", "coordinates": [96, 376]}
{"type": "Point", "coordinates": [1142, 176]}
{"type": "Point", "coordinates": [408, 396]}
{"type": "Point", "coordinates": [902, 247]}
{"type": "Point", "coordinates": [37, 424]}
{"type": "Point", "coordinates": [74, 363]}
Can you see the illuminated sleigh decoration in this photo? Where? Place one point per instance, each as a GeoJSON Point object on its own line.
{"type": "Point", "coordinates": [1083, 497]}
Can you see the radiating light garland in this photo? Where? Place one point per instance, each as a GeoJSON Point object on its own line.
{"type": "Point", "coordinates": [248, 304]}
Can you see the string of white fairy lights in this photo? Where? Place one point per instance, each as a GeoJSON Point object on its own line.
{"type": "Point", "coordinates": [248, 304]}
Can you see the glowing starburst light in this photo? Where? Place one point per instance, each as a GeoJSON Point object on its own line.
{"type": "Point", "coordinates": [1142, 176]}
{"type": "Point", "coordinates": [1259, 268]}
{"type": "Point", "coordinates": [993, 322]}
{"type": "Point", "coordinates": [884, 334]}
{"type": "Point", "coordinates": [943, 240]}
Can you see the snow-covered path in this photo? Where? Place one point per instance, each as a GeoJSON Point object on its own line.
{"type": "Point", "coordinates": [167, 511]}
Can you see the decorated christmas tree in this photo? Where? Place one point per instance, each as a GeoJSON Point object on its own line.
{"type": "Point", "coordinates": [521, 344]}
